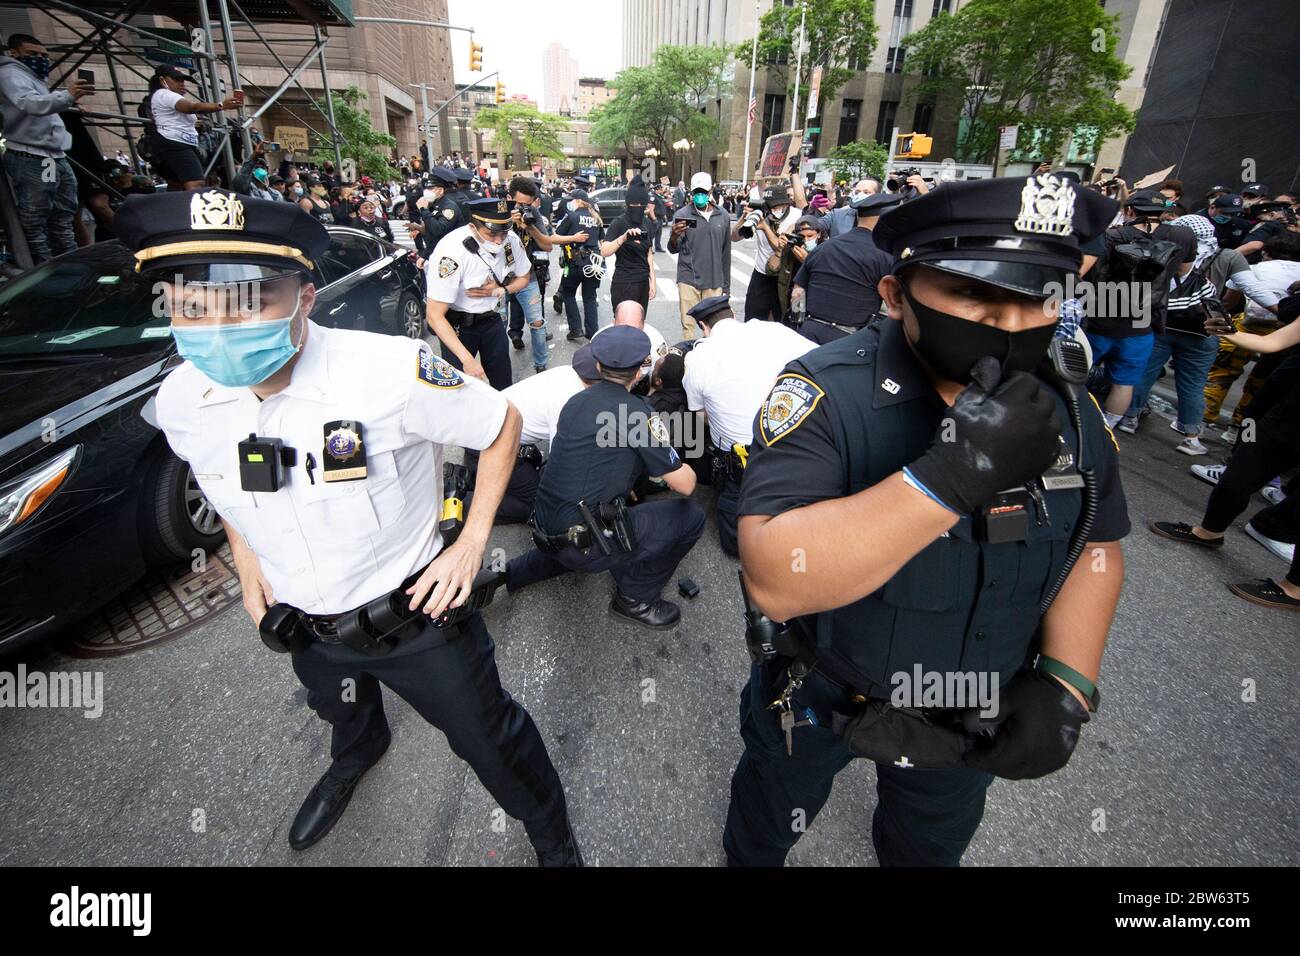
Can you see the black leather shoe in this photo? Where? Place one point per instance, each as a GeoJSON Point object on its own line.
{"type": "Point", "coordinates": [574, 336]}
{"type": "Point", "coordinates": [657, 614]}
{"type": "Point", "coordinates": [325, 804]}
{"type": "Point", "coordinates": [517, 343]}
{"type": "Point", "coordinates": [567, 855]}
{"type": "Point", "coordinates": [557, 303]}
{"type": "Point", "coordinates": [550, 335]}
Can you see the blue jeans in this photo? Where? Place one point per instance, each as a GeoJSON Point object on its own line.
{"type": "Point", "coordinates": [46, 193]}
{"type": "Point", "coordinates": [529, 300]}
{"type": "Point", "coordinates": [1192, 360]}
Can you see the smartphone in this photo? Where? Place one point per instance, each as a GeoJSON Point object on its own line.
{"type": "Point", "coordinates": [692, 223]}
{"type": "Point", "coordinates": [86, 76]}
{"type": "Point", "coordinates": [271, 146]}
{"type": "Point", "coordinates": [1107, 171]}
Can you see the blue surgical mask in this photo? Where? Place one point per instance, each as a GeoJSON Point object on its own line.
{"type": "Point", "coordinates": [238, 355]}
{"type": "Point", "coordinates": [701, 200]}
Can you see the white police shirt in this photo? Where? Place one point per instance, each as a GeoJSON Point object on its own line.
{"type": "Point", "coordinates": [658, 348]}
{"type": "Point", "coordinates": [730, 373]}
{"type": "Point", "coordinates": [539, 399]}
{"type": "Point", "coordinates": [327, 547]}
{"type": "Point", "coordinates": [452, 269]}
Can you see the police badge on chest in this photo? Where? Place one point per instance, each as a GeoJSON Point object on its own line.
{"type": "Point", "coordinates": [344, 457]}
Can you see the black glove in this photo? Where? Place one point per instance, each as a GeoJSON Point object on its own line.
{"type": "Point", "coordinates": [1038, 726]}
{"type": "Point", "coordinates": [995, 436]}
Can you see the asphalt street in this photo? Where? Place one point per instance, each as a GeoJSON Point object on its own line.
{"type": "Point", "coordinates": [206, 746]}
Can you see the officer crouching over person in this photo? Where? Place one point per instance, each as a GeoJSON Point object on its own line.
{"type": "Point", "coordinates": [467, 277]}
{"type": "Point", "coordinates": [935, 477]}
{"type": "Point", "coordinates": [319, 448]}
{"type": "Point", "coordinates": [605, 439]}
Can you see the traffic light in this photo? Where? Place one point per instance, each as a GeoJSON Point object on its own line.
{"type": "Point", "coordinates": [475, 57]}
{"type": "Point", "coordinates": [913, 146]}
{"type": "Point", "coordinates": [501, 92]}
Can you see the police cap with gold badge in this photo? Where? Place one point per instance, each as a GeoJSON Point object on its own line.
{"type": "Point", "coordinates": [491, 212]}
{"type": "Point", "coordinates": [620, 347]}
{"type": "Point", "coordinates": [1019, 233]}
{"type": "Point", "coordinates": [188, 231]}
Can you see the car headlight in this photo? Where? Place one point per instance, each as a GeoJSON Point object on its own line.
{"type": "Point", "coordinates": [21, 499]}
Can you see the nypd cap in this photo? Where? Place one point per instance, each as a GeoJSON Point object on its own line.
{"type": "Point", "coordinates": [215, 226]}
{"type": "Point", "coordinates": [707, 310]}
{"type": "Point", "coordinates": [1227, 201]}
{"type": "Point", "coordinates": [876, 204]}
{"type": "Point", "coordinates": [490, 211]}
{"type": "Point", "coordinates": [620, 347]}
{"type": "Point", "coordinates": [585, 365]}
{"type": "Point", "coordinates": [1020, 233]}
{"type": "Point", "coordinates": [444, 174]}
{"type": "Point", "coordinates": [1254, 189]}
{"type": "Point", "coordinates": [464, 175]}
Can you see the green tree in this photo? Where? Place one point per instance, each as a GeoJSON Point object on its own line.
{"type": "Point", "coordinates": [1048, 66]}
{"type": "Point", "coordinates": [841, 36]}
{"type": "Point", "coordinates": [359, 141]}
{"type": "Point", "coordinates": [854, 161]}
{"type": "Point", "coordinates": [668, 100]}
{"type": "Point", "coordinates": [518, 126]}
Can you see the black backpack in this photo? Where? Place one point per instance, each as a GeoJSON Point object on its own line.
{"type": "Point", "coordinates": [1146, 260]}
{"type": "Point", "coordinates": [144, 147]}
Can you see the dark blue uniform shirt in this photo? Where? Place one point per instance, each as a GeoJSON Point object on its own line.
{"type": "Point", "coordinates": [840, 277]}
{"type": "Point", "coordinates": [850, 414]}
{"type": "Point", "coordinates": [604, 438]}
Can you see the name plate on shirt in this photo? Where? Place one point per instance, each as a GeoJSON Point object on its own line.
{"type": "Point", "coordinates": [344, 455]}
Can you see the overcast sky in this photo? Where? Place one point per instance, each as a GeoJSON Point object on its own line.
{"type": "Point", "coordinates": [515, 32]}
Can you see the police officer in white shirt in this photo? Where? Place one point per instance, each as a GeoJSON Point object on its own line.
{"type": "Point", "coordinates": [728, 376]}
{"type": "Point", "coordinates": [319, 448]}
{"type": "Point", "coordinates": [467, 277]}
{"type": "Point", "coordinates": [539, 400]}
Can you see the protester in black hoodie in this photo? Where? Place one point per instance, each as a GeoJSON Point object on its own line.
{"type": "Point", "coordinates": [629, 240]}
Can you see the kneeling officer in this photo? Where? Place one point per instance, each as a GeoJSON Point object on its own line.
{"type": "Point", "coordinates": [319, 448]}
{"type": "Point", "coordinates": [934, 476]}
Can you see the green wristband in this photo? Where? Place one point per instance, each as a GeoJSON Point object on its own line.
{"type": "Point", "coordinates": [1050, 665]}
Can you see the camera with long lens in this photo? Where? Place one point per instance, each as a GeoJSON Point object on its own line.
{"type": "Point", "coordinates": [898, 182]}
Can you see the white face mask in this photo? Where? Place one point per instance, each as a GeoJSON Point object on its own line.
{"type": "Point", "coordinates": [810, 244]}
{"type": "Point", "coordinates": [856, 195]}
{"type": "Point", "coordinates": [430, 195]}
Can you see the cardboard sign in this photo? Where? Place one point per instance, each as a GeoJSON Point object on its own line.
{"type": "Point", "coordinates": [292, 139]}
{"type": "Point", "coordinates": [779, 149]}
{"type": "Point", "coordinates": [1152, 179]}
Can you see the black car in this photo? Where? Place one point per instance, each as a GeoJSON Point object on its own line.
{"type": "Point", "coordinates": [611, 202]}
{"type": "Point", "coordinates": [90, 494]}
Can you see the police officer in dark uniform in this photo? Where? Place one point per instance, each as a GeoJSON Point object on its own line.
{"type": "Point", "coordinates": [936, 476]}
{"type": "Point", "coordinates": [605, 439]}
{"type": "Point", "coordinates": [319, 448]}
{"type": "Point", "coordinates": [839, 278]}
{"type": "Point", "coordinates": [441, 215]}
{"type": "Point", "coordinates": [561, 209]}
{"type": "Point", "coordinates": [465, 180]}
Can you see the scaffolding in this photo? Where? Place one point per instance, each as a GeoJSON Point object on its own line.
{"type": "Point", "coordinates": [213, 51]}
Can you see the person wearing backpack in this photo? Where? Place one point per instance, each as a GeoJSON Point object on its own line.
{"type": "Point", "coordinates": [1128, 306]}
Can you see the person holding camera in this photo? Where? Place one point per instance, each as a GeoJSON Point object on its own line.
{"type": "Point", "coordinates": [534, 233]}
{"type": "Point", "coordinates": [771, 225]}
{"type": "Point", "coordinates": [628, 240]}
{"type": "Point", "coordinates": [809, 232]}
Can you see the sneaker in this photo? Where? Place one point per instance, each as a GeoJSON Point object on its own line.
{"type": "Point", "coordinates": [1265, 592]}
{"type": "Point", "coordinates": [1192, 446]}
{"type": "Point", "coordinates": [1283, 550]}
{"type": "Point", "coordinates": [1210, 474]}
{"type": "Point", "coordinates": [1229, 435]}
{"type": "Point", "coordinates": [1179, 531]}
{"type": "Point", "coordinates": [1273, 494]}
{"type": "Point", "coordinates": [538, 369]}
{"type": "Point", "coordinates": [1128, 424]}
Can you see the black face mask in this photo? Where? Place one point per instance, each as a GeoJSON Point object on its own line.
{"type": "Point", "coordinates": [635, 215]}
{"type": "Point", "coordinates": [951, 345]}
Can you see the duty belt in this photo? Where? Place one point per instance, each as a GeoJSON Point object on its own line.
{"type": "Point", "coordinates": [466, 319]}
{"type": "Point", "coordinates": [850, 329]}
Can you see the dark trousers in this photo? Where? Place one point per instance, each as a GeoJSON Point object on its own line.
{"type": "Point", "coordinates": [658, 232]}
{"type": "Point", "coordinates": [454, 685]}
{"type": "Point", "coordinates": [1253, 465]}
{"type": "Point", "coordinates": [665, 531]}
{"type": "Point", "coordinates": [638, 290]}
{"type": "Point", "coordinates": [922, 817]}
{"type": "Point", "coordinates": [587, 323]}
{"type": "Point", "coordinates": [761, 299]}
{"type": "Point", "coordinates": [728, 506]}
{"type": "Point", "coordinates": [486, 338]}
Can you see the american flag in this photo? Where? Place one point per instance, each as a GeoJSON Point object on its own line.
{"type": "Point", "coordinates": [753, 108]}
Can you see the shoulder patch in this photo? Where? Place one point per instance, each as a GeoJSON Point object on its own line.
{"type": "Point", "coordinates": [660, 431]}
{"type": "Point", "coordinates": [449, 213]}
{"type": "Point", "coordinates": [434, 371]}
{"type": "Point", "coordinates": [447, 266]}
{"type": "Point", "coordinates": [791, 400]}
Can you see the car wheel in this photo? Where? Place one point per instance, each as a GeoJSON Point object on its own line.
{"type": "Point", "coordinates": [412, 314]}
{"type": "Point", "coordinates": [176, 517]}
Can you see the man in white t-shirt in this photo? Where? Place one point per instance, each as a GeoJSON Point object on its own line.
{"type": "Point", "coordinates": [629, 312]}
{"type": "Point", "coordinates": [771, 229]}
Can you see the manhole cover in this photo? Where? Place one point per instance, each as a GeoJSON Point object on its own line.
{"type": "Point", "coordinates": [165, 604]}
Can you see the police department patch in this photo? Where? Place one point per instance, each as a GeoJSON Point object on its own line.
{"type": "Point", "coordinates": [434, 371]}
{"type": "Point", "coordinates": [660, 431]}
{"type": "Point", "coordinates": [792, 399]}
{"type": "Point", "coordinates": [449, 214]}
{"type": "Point", "coordinates": [446, 266]}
